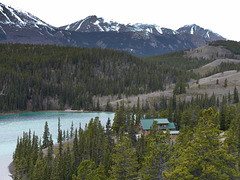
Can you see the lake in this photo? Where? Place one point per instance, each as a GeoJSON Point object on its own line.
{"type": "Point", "coordinates": [12, 127]}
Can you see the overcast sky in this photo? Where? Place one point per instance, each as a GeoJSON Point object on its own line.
{"type": "Point", "coordinates": [220, 16]}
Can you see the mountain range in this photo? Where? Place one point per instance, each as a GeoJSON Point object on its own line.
{"type": "Point", "coordinates": [18, 26]}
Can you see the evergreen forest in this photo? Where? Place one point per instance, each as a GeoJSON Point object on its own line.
{"type": "Point", "coordinates": [45, 77]}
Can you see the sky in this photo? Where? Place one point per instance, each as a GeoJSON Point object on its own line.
{"type": "Point", "coordinates": [220, 16]}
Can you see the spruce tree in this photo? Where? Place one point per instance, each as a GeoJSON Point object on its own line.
{"type": "Point", "coordinates": [46, 135]}
{"type": "Point", "coordinates": [157, 155]}
{"type": "Point", "coordinates": [59, 131]}
{"type": "Point", "coordinates": [124, 161]}
{"type": "Point", "coordinates": [76, 156]}
{"type": "Point", "coordinates": [138, 113]}
{"type": "Point", "coordinates": [235, 95]}
{"type": "Point", "coordinates": [204, 157]}
{"type": "Point", "coordinates": [118, 121]}
{"type": "Point", "coordinates": [84, 170]}
{"type": "Point", "coordinates": [225, 83]}
{"type": "Point", "coordinates": [71, 131]}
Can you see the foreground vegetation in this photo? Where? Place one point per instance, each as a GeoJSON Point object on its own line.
{"type": "Point", "coordinates": [206, 148]}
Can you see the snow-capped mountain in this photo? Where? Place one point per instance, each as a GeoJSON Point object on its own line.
{"type": "Point", "coordinates": [96, 24]}
{"type": "Point", "coordinates": [10, 16]}
{"type": "Point", "coordinates": [194, 29]}
{"type": "Point", "coordinates": [17, 26]}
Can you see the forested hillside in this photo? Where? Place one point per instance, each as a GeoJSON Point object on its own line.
{"type": "Point", "coordinates": [177, 60]}
{"type": "Point", "coordinates": [233, 46]}
{"type": "Point", "coordinates": [37, 77]}
{"type": "Point", "coordinates": [187, 60]}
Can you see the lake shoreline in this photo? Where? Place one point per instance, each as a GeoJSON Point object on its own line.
{"type": "Point", "coordinates": [54, 111]}
{"type": "Point", "coordinates": [16, 124]}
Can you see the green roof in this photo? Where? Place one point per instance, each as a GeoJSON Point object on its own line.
{"type": "Point", "coordinates": [147, 123]}
{"type": "Point", "coordinates": [170, 126]}
{"type": "Point", "coordinates": [162, 121]}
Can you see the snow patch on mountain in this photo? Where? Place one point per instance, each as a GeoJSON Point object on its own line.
{"type": "Point", "coordinates": [192, 31]}
{"type": "Point", "coordinates": [80, 24]}
{"type": "Point", "coordinates": [3, 30]}
{"type": "Point", "coordinates": [159, 29]}
{"type": "Point", "coordinates": [67, 28]}
{"type": "Point", "coordinates": [207, 35]}
{"type": "Point", "coordinates": [97, 24]}
{"type": "Point", "coordinates": [16, 16]}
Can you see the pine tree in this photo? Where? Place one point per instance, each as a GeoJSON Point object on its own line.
{"type": "Point", "coordinates": [204, 157]}
{"type": "Point", "coordinates": [84, 170]}
{"type": "Point", "coordinates": [46, 135]}
{"type": "Point", "coordinates": [132, 130]}
{"type": "Point", "coordinates": [124, 161]}
{"type": "Point", "coordinates": [235, 96]}
{"type": "Point", "coordinates": [140, 149]}
{"type": "Point", "coordinates": [76, 156]}
{"type": "Point", "coordinates": [60, 146]}
{"type": "Point", "coordinates": [59, 129]}
{"type": "Point", "coordinates": [67, 164]}
{"type": "Point", "coordinates": [118, 121]}
{"type": "Point", "coordinates": [225, 83]}
{"type": "Point", "coordinates": [98, 105]}
{"type": "Point", "coordinates": [229, 116]}
{"type": "Point", "coordinates": [229, 97]}
{"type": "Point", "coordinates": [222, 116]}
{"type": "Point", "coordinates": [108, 146]}
{"type": "Point", "coordinates": [156, 156]}
{"type": "Point", "coordinates": [109, 107]}
{"type": "Point", "coordinates": [99, 173]}
{"type": "Point", "coordinates": [138, 113]}
{"type": "Point", "coordinates": [71, 131]}
{"type": "Point", "coordinates": [39, 167]}
{"type": "Point", "coordinates": [49, 158]}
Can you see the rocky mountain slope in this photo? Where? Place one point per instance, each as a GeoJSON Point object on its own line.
{"type": "Point", "coordinates": [138, 39]}
{"type": "Point", "coordinates": [98, 24]}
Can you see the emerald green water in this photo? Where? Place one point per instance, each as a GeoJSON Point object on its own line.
{"type": "Point", "coordinates": [12, 126]}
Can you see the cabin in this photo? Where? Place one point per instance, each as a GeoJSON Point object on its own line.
{"type": "Point", "coordinates": [163, 124]}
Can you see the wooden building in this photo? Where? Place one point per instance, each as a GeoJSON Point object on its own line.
{"type": "Point", "coordinates": [163, 124]}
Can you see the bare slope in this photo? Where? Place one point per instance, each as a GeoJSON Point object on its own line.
{"type": "Point", "coordinates": [209, 84]}
{"type": "Point", "coordinates": [209, 52]}
{"type": "Point", "coordinates": [205, 85]}
{"type": "Point", "coordinates": [211, 66]}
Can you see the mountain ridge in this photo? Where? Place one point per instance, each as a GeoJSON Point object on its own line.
{"type": "Point", "coordinates": [17, 26]}
{"type": "Point", "coordinates": [98, 24]}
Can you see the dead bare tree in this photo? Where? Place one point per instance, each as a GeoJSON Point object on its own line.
{"type": "Point", "coordinates": [2, 93]}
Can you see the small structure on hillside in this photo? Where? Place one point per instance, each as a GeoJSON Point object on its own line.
{"type": "Point", "coordinates": [163, 124]}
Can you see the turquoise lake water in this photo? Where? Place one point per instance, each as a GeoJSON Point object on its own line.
{"type": "Point", "coordinates": [12, 127]}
